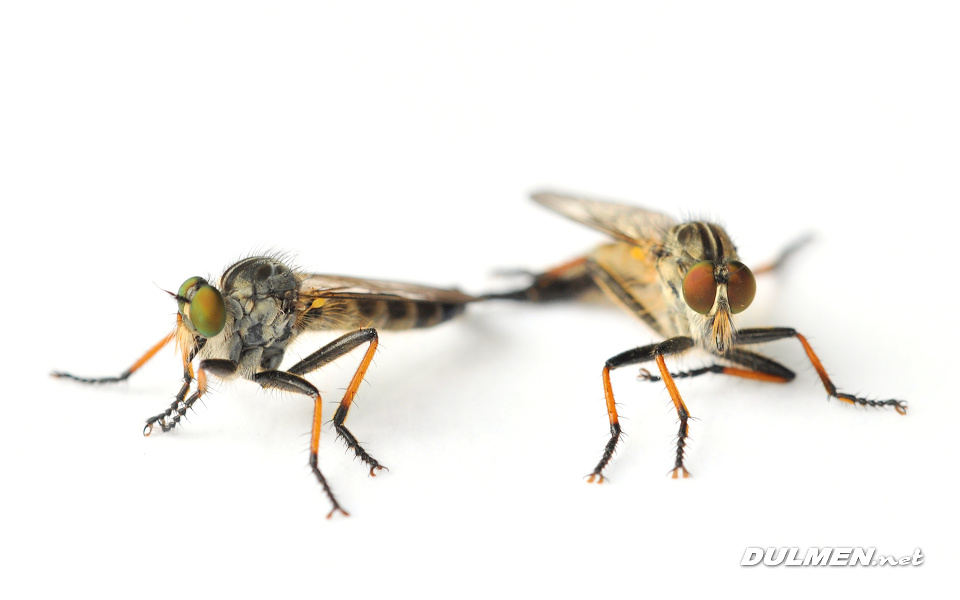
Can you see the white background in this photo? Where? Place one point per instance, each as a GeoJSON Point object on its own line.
{"type": "Point", "coordinates": [144, 144]}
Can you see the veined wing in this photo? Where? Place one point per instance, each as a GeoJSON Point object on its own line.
{"type": "Point", "coordinates": [355, 288]}
{"type": "Point", "coordinates": [337, 302]}
{"type": "Point", "coordinates": [627, 223]}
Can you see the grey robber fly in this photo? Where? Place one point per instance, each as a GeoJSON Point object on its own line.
{"type": "Point", "coordinates": [684, 280]}
{"type": "Point", "coordinates": [243, 327]}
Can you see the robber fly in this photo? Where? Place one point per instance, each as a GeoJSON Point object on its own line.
{"type": "Point", "coordinates": [243, 327]}
{"type": "Point", "coordinates": [684, 280]}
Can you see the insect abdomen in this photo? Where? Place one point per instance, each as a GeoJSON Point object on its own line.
{"type": "Point", "coordinates": [345, 313]}
{"type": "Point", "coordinates": [404, 314]}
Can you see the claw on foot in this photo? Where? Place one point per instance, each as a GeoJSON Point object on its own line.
{"type": "Point", "coordinates": [148, 428]}
{"type": "Point", "coordinates": [377, 468]}
{"type": "Point", "coordinates": [596, 477]}
{"type": "Point", "coordinates": [898, 405]}
{"type": "Point", "coordinates": [337, 509]}
{"type": "Point", "coordinates": [681, 469]}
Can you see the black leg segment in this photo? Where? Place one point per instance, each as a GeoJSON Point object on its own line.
{"type": "Point", "coordinates": [759, 367]}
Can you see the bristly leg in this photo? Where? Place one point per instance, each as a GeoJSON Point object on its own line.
{"type": "Point", "coordinates": [682, 412]}
{"type": "Point", "coordinates": [759, 368]}
{"type": "Point", "coordinates": [126, 374]}
{"type": "Point", "coordinates": [770, 334]}
{"type": "Point", "coordinates": [898, 405]}
{"type": "Point", "coordinates": [352, 443]}
{"type": "Point", "coordinates": [681, 444]}
{"type": "Point", "coordinates": [314, 448]}
{"type": "Point", "coordinates": [642, 354]}
{"type": "Point", "coordinates": [331, 352]}
{"type": "Point", "coordinates": [291, 382]}
{"type": "Point", "coordinates": [615, 432]}
{"type": "Point", "coordinates": [181, 404]}
{"type": "Point", "coordinates": [314, 466]}
{"type": "Point", "coordinates": [646, 375]}
{"type": "Point", "coordinates": [92, 380]}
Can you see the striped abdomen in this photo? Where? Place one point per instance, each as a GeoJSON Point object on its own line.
{"type": "Point", "coordinates": [349, 313]}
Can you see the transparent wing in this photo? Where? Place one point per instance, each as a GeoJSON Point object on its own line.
{"type": "Point", "coordinates": [337, 286]}
{"type": "Point", "coordinates": [627, 223]}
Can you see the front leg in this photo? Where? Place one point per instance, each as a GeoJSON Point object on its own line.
{"type": "Point", "coordinates": [655, 352]}
{"type": "Point", "coordinates": [181, 404]}
{"type": "Point", "coordinates": [770, 334]}
{"type": "Point", "coordinates": [328, 354]}
{"type": "Point", "coordinates": [126, 374]}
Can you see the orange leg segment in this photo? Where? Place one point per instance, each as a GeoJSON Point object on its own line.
{"type": "Point", "coordinates": [654, 352]}
{"type": "Point", "coordinates": [682, 412]}
{"type": "Point", "coordinates": [331, 352]}
{"type": "Point", "coordinates": [597, 475]}
{"type": "Point", "coordinates": [123, 376]}
{"type": "Point", "coordinates": [150, 354]}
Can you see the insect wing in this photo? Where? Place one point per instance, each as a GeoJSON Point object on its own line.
{"type": "Point", "coordinates": [334, 302]}
{"type": "Point", "coordinates": [626, 223]}
{"type": "Point", "coordinates": [335, 286]}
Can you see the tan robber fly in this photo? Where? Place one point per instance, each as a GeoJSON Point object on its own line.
{"type": "Point", "coordinates": [243, 328]}
{"type": "Point", "coordinates": [684, 280]}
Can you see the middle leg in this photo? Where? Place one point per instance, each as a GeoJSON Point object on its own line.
{"type": "Point", "coordinates": [328, 354]}
{"type": "Point", "coordinates": [290, 382]}
{"type": "Point", "coordinates": [759, 368]}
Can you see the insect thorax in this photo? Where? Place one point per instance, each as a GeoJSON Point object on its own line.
{"type": "Point", "coordinates": [261, 295]}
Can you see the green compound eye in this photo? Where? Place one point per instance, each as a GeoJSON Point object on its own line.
{"type": "Point", "coordinates": [741, 286]}
{"type": "Point", "coordinates": [184, 291]}
{"type": "Point", "coordinates": [699, 287]}
{"type": "Point", "coordinates": [206, 309]}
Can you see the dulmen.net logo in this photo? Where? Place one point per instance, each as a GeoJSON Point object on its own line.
{"type": "Point", "coordinates": [826, 557]}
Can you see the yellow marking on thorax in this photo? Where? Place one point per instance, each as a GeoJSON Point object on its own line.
{"type": "Point", "coordinates": [317, 303]}
{"type": "Point", "coordinates": [638, 253]}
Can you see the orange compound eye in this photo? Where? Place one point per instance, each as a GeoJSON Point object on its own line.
{"type": "Point", "coordinates": [700, 287]}
{"type": "Point", "coordinates": [741, 286]}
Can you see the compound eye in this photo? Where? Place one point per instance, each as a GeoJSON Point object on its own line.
{"type": "Point", "coordinates": [741, 286]}
{"type": "Point", "coordinates": [208, 313]}
{"type": "Point", "coordinates": [188, 286]}
{"type": "Point", "coordinates": [185, 288]}
{"type": "Point", "coordinates": [700, 287]}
